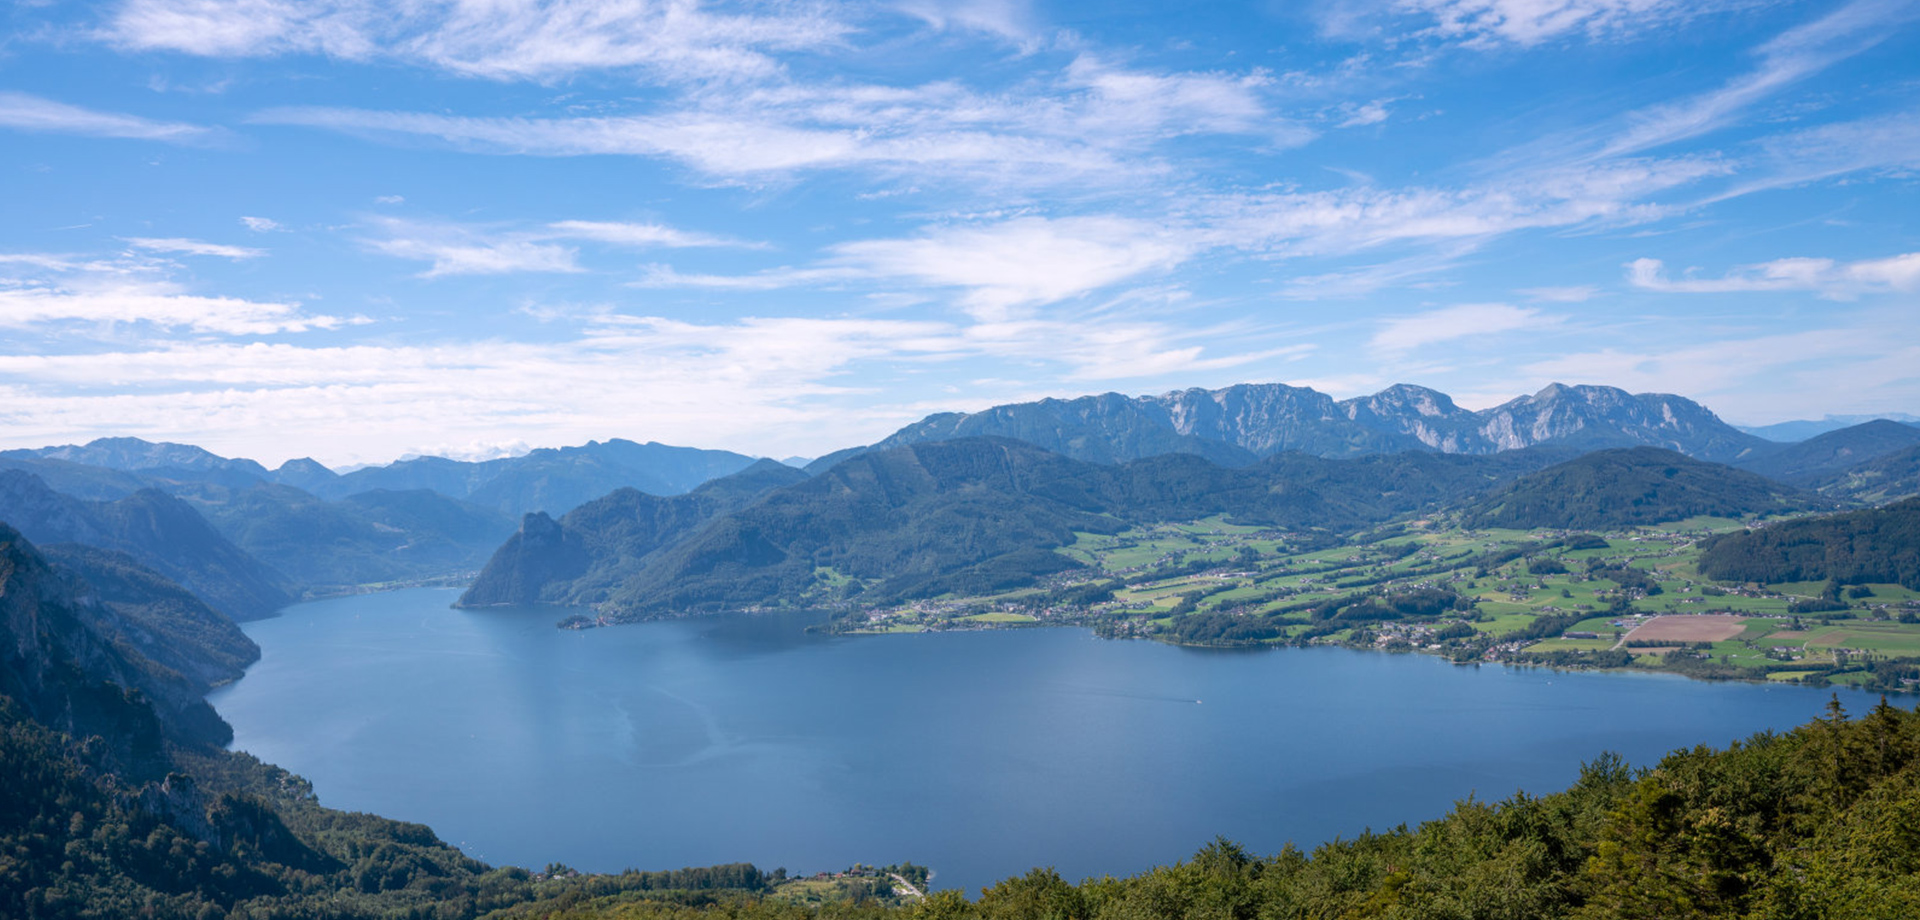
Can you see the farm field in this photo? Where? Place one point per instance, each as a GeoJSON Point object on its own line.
{"type": "Point", "coordinates": [1623, 599]}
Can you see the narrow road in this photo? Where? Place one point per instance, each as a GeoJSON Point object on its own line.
{"type": "Point", "coordinates": [909, 886]}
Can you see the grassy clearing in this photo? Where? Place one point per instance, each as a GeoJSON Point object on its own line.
{"type": "Point", "coordinates": [1001, 618]}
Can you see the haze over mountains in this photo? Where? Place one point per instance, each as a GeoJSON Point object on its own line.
{"type": "Point", "coordinates": [638, 528]}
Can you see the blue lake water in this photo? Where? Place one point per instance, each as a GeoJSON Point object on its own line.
{"type": "Point", "coordinates": [981, 754]}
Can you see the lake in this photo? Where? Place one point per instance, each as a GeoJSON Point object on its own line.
{"type": "Point", "coordinates": [980, 754]}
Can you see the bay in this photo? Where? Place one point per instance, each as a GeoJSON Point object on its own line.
{"type": "Point", "coordinates": [981, 754]}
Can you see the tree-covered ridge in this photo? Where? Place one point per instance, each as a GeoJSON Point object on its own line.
{"type": "Point", "coordinates": [116, 801]}
{"type": "Point", "coordinates": [1884, 478]}
{"type": "Point", "coordinates": [1807, 463]}
{"type": "Point", "coordinates": [1875, 545]}
{"type": "Point", "coordinates": [978, 515]}
{"type": "Point", "coordinates": [367, 538]}
{"type": "Point", "coordinates": [1635, 487]}
{"type": "Point", "coordinates": [581, 557]}
{"type": "Point", "coordinates": [161, 531]}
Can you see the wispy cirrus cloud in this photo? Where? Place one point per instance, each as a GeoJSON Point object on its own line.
{"type": "Point", "coordinates": [514, 39]}
{"type": "Point", "coordinates": [188, 247]}
{"type": "Point", "coordinates": [1402, 335]}
{"type": "Point", "coordinates": [469, 249]}
{"type": "Point", "coordinates": [23, 112]}
{"type": "Point", "coordinates": [1092, 121]}
{"type": "Point", "coordinates": [452, 249]}
{"type": "Point", "coordinates": [1792, 56]}
{"type": "Point", "coordinates": [1827, 277]}
{"type": "Point", "coordinates": [1493, 24]}
{"type": "Point", "coordinates": [643, 235]}
{"type": "Point", "coordinates": [163, 305]}
{"type": "Point", "coordinates": [999, 268]}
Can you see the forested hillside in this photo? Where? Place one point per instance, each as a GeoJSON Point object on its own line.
{"type": "Point", "coordinates": [161, 531]}
{"type": "Point", "coordinates": [1876, 545]}
{"type": "Point", "coordinates": [1635, 487]}
{"type": "Point", "coordinates": [984, 514]}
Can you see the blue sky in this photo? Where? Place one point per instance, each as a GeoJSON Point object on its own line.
{"type": "Point", "coordinates": [358, 230]}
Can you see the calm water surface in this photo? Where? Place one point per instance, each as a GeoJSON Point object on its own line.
{"type": "Point", "coordinates": [980, 754]}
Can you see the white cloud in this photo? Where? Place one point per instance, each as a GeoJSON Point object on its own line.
{"type": "Point", "coordinates": [390, 199]}
{"type": "Point", "coordinates": [638, 235]}
{"type": "Point", "coordinates": [754, 384]}
{"type": "Point", "coordinates": [1487, 23]}
{"type": "Point", "coordinates": [194, 247]}
{"type": "Point", "coordinates": [1358, 116]}
{"type": "Point", "coordinates": [500, 39]}
{"type": "Point", "coordinates": [120, 302]}
{"type": "Point", "coordinates": [1090, 122]}
{"type": "Point", "coordinates": [1025, 261]}
{"type": "Point", "coordinates": [1352, 219]}
{"type": "Point", "coordinates": [32, 113]}
{"type": "Point", "coordinates": [1009, 19]}
{"type": "Point", "coordinates": [1401, 335]}
{"type": "Point", "coordinates": [1787, 59]}
{"type": "Point", "coordinates": [1832, 279]}
{"type": "Point", "coordinates": [1888, 142]}
{"type": "Point", "coordinates": [664, 276]}
{"type": "Point", "coordinates": [1774, 377]}
{"type": "Point", "coordinates": [260, 224]}
{"type": "Point", "coordinates": [999, 267]}
{"type": "Point", "coordinates": [459, 250]}
{"type": "Point", "coordinates": [462, 249]}
{"type": "Point", "coordinates": [1569, 294]}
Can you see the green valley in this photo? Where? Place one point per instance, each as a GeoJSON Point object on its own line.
{"type": "Point", "coordinates": [1580, 599]}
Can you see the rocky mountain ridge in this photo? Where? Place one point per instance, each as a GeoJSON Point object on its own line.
{"type": "Point", "coordinates": [1238, 424]}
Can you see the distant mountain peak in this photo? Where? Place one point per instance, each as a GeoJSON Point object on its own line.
{"type": "Point", "coordinates": [1238, 423]}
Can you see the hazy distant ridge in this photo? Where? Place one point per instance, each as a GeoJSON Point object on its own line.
{"type": "Point", "coordinates": [1238, 424]}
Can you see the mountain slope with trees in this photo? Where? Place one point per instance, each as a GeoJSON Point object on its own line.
{"type": "Point", "coordinates": [1635, 487]}
{"type": "Point", "coordinates": [1885, 478]}
{"type": "Point", "coordinates": [366, 538]}
{"type": "Point", "coordinates": [1880, 545]}
{"type": "Point", "coordinates": [1820, 458]}
{"type": "Point", "coordinates": [576, 559]}
{"type": "Point", "coordinates": [985, 514]}
{"type": "Point", "coordinates": [160, 531]}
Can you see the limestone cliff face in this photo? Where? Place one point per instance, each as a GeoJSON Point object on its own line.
{"type": "Point", "coordinates": [1235, 425]}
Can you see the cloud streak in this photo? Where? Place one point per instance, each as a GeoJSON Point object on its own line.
{"type": "Point", "coordinates": [23, 112]}
{"type": "Point", "coordinates": [189, 247]}
{"type": "Point", "coordinates": [1829, 278]}
{"type": "Point", "coordinates": [512, 39]}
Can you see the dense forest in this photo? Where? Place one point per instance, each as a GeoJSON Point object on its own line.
{"type": "Point", "coordinates": [1634, 487]}
{"type": "Point", "coordinates": [1875, 545]}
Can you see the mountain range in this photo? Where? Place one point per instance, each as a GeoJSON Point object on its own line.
{"type": "Point", "coordinates": [160, 531]}
{"type": "Point", "coordinates": [554, 480]}
{"type": "Point", "coordinates": [982, 515]}
{"type": "Point", "coordinates": [621, 525]}
{"type": "Point", "coordinates": [1238, 424]}
{"type": "Point", "coordinates": [1802, 429]}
